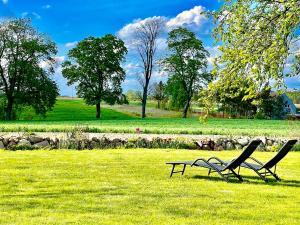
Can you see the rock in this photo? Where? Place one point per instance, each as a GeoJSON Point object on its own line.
{"type": "Point", "coordinates": [243, 141]}
{"type": "Point", "coordinates": [42, 144]}
{"type": "Point", "coordinates": [13, 139]}
{"type": "Point", "coordinates": [35, 139]}
{"type": "Point", "coordinates": [24, 142]}
{"type": "Point", "coordinates": [10, 144]}
{"type": "Point", "coordinates": [206, 147]}
{"type": "Point", "coordinates": [238, 146]}
{"type": "Point", "coordinates": [219, 148]}
{"type": "Point", "coordinates": [95, 139]}
{"type": "Point", "coordinates": [5, 141]}
{"type": "Point", "coordinates": [264, 140]}
{"type": "Point", "coordinates": [2, 145]}
{"type": "Point", "coordinates": [269, 142]}
{"type": "Point", "coordinates": [229, 146]}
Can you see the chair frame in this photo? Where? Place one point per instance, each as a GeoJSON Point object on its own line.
{"type": "Point", "coordinates": [265, 169]}
{"type": "Point", "coordinates": [228, 167]}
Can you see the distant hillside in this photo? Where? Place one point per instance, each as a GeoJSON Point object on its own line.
{"type": "Point", "coordinates": [67, 109]}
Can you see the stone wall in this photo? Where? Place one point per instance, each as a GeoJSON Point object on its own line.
{"type": "Point", "coordinates": [82, 141]}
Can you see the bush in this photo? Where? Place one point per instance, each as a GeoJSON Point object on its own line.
{"type": "Point", "coordinates": [23, 147]}
{"type": "Point", "coordinates": [296, 148]}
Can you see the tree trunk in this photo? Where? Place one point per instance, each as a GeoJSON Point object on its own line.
{"type": "Point", "coordinates": [9, 109]}
{"type": "Point", "coordinates": [186, 108]}
{"type": "Point", "coordinates": [158, 104]}
{"type": "Point", "coordinates": [98, 109]}
{"type": "Point", "coordinates": [144, 101]}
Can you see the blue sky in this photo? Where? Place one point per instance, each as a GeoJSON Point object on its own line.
{"type": "Point", "coordinates": [69, 21]}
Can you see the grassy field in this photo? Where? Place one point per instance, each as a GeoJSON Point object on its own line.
{"type": "Point", "coordinates": [163, 125]}
{"type": "Point", "coordinates": [133, 187]}
{"type": "Point", "coordinates": [68, 114]}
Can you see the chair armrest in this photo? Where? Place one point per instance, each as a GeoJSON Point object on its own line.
{"type": "Point", "coordinates": [217, 159]}
{"type": "Point", "coordinates": [255, 160]}
{"type": "Point", "coordinates": [200, 159]}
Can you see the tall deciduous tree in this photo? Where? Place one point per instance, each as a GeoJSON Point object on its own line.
{"type": "Point", "coordinates": [95, 67]}
{"type": "Point", "coordinates": [187, 63]}
{"type": "Point", "coordinates": [259, 41]}
{"type": "Point", "coordinates": [23, 78]}
{"type": "Point", "coordinates": [147, 35]}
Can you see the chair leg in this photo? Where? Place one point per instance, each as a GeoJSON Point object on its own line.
{"type": "Point", "coordinates": [274, 175]}
{"type": "Point", "coordinates": [183, 169]}
{"type": "Point", "coordinates": [172, 170]}
{"type": "Point", "coordinates": [209, 171]}
{"type": "Point", "coordinates": [237, 175]}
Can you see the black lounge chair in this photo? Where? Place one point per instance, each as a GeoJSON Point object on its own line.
{"type": "Point", "coordinates": [265, 170]}
{"type": "Point", "coordinates": [219, 166]}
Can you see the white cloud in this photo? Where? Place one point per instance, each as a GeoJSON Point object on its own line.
{"type": "Point", "coordinates": [5, 1]}
{"type": "Point", "coordinates": [71, 44]}
{"type": "Point", "coordinates": [59, 59]}
{"type": "Point", "coordinates": [46, 6]}
{"type": "Point", "coordinates": [213, 53]}
{"type": "Point", "coordinates": [191, 18]}
{"type": "Point", "coordinates": [128, 31]}
{"type": "Point", "coordinates": [31, 15]}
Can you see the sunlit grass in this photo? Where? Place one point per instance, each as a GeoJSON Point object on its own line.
{"type": "Point", "coordinates": [164, 125]}
{"type": "Point", "coordinates": [69, 113]}
{"type": "Point", "coordinates": [133, 187]}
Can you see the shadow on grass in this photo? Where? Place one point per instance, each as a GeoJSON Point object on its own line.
{"type": "Point", "coordinates": [253, 180]}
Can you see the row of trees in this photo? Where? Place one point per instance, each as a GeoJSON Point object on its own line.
{"type": "Point", "coordinates": [94, 66]}
{"type": "Point", "coordinates": [259, 39]}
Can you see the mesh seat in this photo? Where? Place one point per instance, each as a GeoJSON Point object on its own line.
{"type": "Point", "coordinates": [203, 164]}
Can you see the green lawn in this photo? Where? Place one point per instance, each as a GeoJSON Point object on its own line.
{"type": "Point", "coordinates": [164, 125]}
{"type": "Point", "coordinates": [70, 113]}
{"type": "Point", "coordinates": [133, 187]}
{"type": "Point", "coordinates": [73, 110]}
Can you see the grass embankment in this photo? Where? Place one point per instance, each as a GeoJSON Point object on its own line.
{"type": "Point", "coordinates": [133, 187]}
{"type": "Point", "coordinates": [162, 126]}
{"type": "Point", "coordinates": [69, 113]}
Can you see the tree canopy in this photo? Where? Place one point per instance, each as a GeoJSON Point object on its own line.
{"type": "Point", "coordinates": [27, 58]}
{"type": "Point", "coordinates": [95, 68]}
{"type": "Point", "coordinates": [186, 64]}
{"type": "Point", "coordinates": [259, 43]}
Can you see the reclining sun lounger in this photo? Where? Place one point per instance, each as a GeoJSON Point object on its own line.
{"type": "Point", "coordinates": [213, 164]}
{"type": "Point", "coordinates": [264, 170]}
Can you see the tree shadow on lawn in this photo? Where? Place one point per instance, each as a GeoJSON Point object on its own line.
{"type": "Point", "coordinates": [253, 180]}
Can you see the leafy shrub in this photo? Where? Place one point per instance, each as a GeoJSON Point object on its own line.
{"type": "Point", "coordinates": [296, 148]}
{"type": "Point", "coordinates": [23, 147]}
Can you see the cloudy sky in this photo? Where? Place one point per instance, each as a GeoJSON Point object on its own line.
{"type": "Point", "coordinates": [69, 21]}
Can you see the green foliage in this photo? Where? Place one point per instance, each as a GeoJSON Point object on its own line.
{"type": "Point", "coordinates": [258, 37]}
{"type": "Point", "coordinates": [187, 65]}
{"type": "Point", "coordinates": [133, 95]}
{"type": "Point", "coordinates": [272, 106]}
{"type": "Point", "coordinates": [180, 143]}
{"type": "Point", "coordinates": [23, 81]}
{"type": "Point", "coordinates": [294, 96]}
{"type": "Point", "coordinates": [176, 93]}
{"type": "Point", "coordinates": [23, 147]}
{"type": "Point", "coordinates": [159, 94]}
{"type": "Point", "coordinates": [95, 68]}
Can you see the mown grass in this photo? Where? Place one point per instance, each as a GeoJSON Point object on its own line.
{"type": "Point", "coordinates": [163, 126]}
{"type": "Point", "coordinates": [72, 110]}
{"type": "Point", "coordinates": [68, 114]}
{"type": "Point", "coordinates": [133, 187]}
